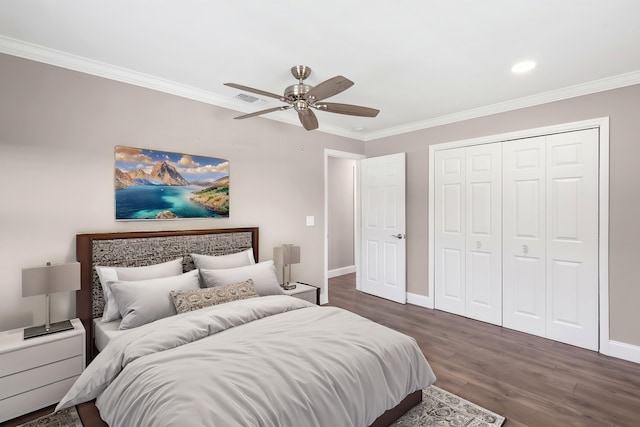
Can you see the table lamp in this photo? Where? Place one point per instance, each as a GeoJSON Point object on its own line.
{"type": "Point", "coordinates": [284, 256]}
{"type": "Point", "coordinates": [45, 281]}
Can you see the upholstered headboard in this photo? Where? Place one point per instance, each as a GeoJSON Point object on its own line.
{"type": "Point", "coordinates": [135, 249]}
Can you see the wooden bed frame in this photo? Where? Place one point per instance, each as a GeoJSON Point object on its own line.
{"type": "Point", "coordinates": [127, 249]}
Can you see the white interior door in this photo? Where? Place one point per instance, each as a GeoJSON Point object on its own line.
{"type": "Point", "coordinates": [524, 217]}
{"type": "Point", "coordinates": [483, 253]}
{"type": "Point", "coordinates": [572, 238]}
{"type": "Point", "coordinates": [383, 244]}
{"type": "Point", "coordinates": [449, 228]}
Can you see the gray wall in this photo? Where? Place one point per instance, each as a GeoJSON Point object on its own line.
{"type": "Point", "coordinates": [340, 212]}
{"type": "Point", "coordinates": [58, 129]}
{"type": "Point", "coordinates": [622, 106]}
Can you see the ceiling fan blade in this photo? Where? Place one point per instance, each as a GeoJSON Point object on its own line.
{"type": "Point", "coordinates": [258, 91]}
{"type": "Point", "coordinates": [328, 88]}
{"type": "Point", "coordinates": [351, 110]}
{"type": "Point", "coordinates": [308, 119]}
{"type": "Point", "coordinates": [258, 113]}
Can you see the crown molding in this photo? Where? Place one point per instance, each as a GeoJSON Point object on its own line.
{"type": "Point", "coordinates": [81, 64]}
{"type": "Point", "coordinates": [101, 69]}
{"type": "Point", "coordinates": [601, 85]}
{"type": "Point", "coordinates": [62, 59]}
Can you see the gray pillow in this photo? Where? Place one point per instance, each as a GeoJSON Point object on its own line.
{"type": "Point", "coordinates": [263, 275]}
{"type": "Point", "coordinates": [185, 301]}
{"type": "Point", "coordinates": [113, 274]}
{"type": "Point", "coordinates": [239, 259]}
{"type": "Point", "coordinates": [144, 301]}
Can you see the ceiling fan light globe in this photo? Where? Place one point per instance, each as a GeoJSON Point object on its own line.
{"type": "Point", "coordinates": [301, 105]}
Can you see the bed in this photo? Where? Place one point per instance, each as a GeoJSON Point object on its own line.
{"type": "Point", "coordinates": [272, 360]}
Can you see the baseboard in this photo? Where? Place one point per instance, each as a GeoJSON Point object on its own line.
{"type": "Point", "coordinates": [419, 300]}
{"type": "Point", "coordinates": [342, 271]}
{"type": "Point", "coordinates": [624, 351]}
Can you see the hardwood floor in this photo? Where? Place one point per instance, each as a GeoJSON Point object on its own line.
{"type": "Point", "coordinates": [531, 381]}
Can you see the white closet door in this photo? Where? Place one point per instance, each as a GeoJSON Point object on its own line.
{"type": "Point", "coordinates": [572, 238]}
{"type": "Point", "coordinates": [483, 214]}
{"type": "Point", "coordinates": [450, 231]}
{"type": "Point", "coordinates": [524, 216]}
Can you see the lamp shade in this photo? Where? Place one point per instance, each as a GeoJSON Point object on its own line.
{"type": "Point", "coordinates": [50, 279]}
{"type": "Point", "coordinates": [292, 254]}
{"type": "Point", "coordinates": [286, 254]}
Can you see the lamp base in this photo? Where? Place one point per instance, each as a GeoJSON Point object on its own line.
{"type": "Point", "coordinates": [38, 331]}
{"type": "Point", "coordinates": [289, 286]}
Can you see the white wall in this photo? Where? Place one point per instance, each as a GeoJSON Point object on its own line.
{"type": "Point", "coordinates": [341, 212]}
{"type": "Point", "coordinates": [58, 129]}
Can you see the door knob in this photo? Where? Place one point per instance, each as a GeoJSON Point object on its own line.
{"type": "Point", "coordinates": [478, 244]}
{"type": "Point", "coordinates": [399, 236]}
{"type": "Point", "coordinates": [525, 249]}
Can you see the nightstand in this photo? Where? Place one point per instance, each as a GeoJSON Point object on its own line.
{"type": "Point", "coordinates": [38, 372]}
{"type": "Point", "coordinates": [305, 292]}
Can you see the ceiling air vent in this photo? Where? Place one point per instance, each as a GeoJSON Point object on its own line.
{"type": "Point", "coordinates": [248, 98]}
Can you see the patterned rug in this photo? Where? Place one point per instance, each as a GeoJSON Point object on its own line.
{"type": "Point", "coordinates": [439, 408]}
{"type": "Point", "coordinates": [65, 418]}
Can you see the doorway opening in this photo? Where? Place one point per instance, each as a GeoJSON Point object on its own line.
{"type": "Point", "coordinates": [341, 217]}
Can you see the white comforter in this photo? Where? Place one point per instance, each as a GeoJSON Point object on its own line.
{"type": "Point", "coordinates": [269, 361]}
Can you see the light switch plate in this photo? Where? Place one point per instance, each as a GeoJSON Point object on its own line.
{"type": "Point", "coordinates": [311, 220]}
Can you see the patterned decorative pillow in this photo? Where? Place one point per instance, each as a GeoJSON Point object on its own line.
{"type": "Point", "coordinates": [193, 300]}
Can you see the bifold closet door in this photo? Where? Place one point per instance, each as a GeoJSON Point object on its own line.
{"type": "Point", "coordinates": [483, 246]}
{"type": "Point", "coordinates": [450, 231]}
{"type": "Point", "coordinates": [550, 237]}
{"type": "Point", "coordinates": [572, 238]}
{"type": "Point", "coordinates": [468, 275]}
{"type": "Point", "coordinates": [524, 231]}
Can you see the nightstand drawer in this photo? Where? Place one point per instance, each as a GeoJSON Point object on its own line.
{"type": "Point", "coordinates": [40, 354]}
{"type": "Point", "coordinates": [34, 399]}
{"type": "Point", "coordinates": [40, 376]}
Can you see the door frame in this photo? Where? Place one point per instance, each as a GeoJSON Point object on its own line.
{"type": "Point", "coordinates": [602, 124]}
{"type": "Point", "coordinates": [324, 293]}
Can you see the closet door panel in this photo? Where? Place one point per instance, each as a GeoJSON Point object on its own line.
{"type": "Point", "coordinates": [450, 231]}
{"type": "Point", "coordinates": [572, 238]}
{"type": "Point", "coordinates": [524, 220]}
{"type": "Point", "coordinates": [483, 245]}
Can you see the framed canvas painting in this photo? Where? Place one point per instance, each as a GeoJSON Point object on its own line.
{"type": "Point", "coordinates": [152, 184]}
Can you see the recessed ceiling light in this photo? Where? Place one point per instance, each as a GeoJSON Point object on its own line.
{"type": "Point", "coordinates": [359, 129]}
{"type": "Point", "coordinates": [523, 67]}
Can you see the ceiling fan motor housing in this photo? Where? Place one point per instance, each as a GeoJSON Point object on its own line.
{"type": "Point", "coordinates": [296, 92]}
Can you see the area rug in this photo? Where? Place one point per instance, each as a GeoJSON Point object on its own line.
{"type": "Point", "coordinates": [439, 408]}
{"type": "Point", "coordinates": [65, 418]}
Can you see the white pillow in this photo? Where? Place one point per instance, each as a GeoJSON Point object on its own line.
{"type": "Point", "coordinates": [239, 259]}
{"type": "Point", "coordinates": [144, 301]}
{"type": "Point", "coordinates": [113, 274]}
{"type": "Point", "coordinates": [263, 275]}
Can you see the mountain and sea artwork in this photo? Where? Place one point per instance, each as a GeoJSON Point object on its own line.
{"type": "Point", "coordinates": [151, 184]}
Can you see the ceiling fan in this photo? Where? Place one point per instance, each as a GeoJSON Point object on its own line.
{"type": "Point", "coordinates": [303, 98]}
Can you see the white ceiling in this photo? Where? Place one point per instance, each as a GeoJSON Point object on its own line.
{"type": "Point", "coordinates": [421, 62]}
